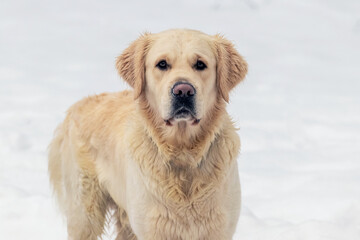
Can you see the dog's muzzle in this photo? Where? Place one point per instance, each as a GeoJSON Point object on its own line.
{"type": "Point", "coordinates": [183, 103]}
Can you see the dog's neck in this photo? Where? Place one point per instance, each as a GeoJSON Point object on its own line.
{"type": "Point", "coordinates": [182, 140]}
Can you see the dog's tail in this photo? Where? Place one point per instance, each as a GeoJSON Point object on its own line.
{"type": "Point", "coordinates": [55, 163]}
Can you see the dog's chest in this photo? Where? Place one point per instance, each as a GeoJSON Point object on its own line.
{"type": "Point", "coordinates": [198, 220]}
{"type": "Point", "coordinates": [183, 208]}
{"type": "Point", "coordinates": [182, 202]}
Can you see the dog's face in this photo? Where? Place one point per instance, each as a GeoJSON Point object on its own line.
{"type": "Point", "coordinates": [181, 76]}
{"type": "Point", "coordinates": [182, 73]}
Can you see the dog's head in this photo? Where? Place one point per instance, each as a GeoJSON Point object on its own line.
{"type": "Point", "coordinates": [181, 73]}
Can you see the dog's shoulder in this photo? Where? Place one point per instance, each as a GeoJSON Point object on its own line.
{"type": "Point", "coordinates": [101, 107]}
{"type": "Point", "coordinates": [101, 114]}
{"type": "Point", "coordinates": [102, 102]}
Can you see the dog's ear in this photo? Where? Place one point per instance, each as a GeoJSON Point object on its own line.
{"type": "Point", "coordinates": [131, 64]}
{"type": "Point", "coordinates": [231, 68]}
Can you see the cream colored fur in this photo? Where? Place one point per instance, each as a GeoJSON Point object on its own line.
{"type": "Point", "coordinates": [114, 150]}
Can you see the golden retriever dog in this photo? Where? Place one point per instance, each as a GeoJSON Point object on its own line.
{"type": "Point", "coordinates": [161, 158]}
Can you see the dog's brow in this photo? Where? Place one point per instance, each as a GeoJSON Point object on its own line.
{"type": "Point", "coordinates": [199, 56]}
{"type": "Point", "coordinates": [163, 56]}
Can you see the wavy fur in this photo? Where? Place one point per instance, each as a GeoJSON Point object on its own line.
{"type": "Point", "coordinates": [114, 151]}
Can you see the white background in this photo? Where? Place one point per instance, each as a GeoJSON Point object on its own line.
{"type": "Point", "coordinates": [298, 109]}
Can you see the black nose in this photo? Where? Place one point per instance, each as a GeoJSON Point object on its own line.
{"type": "Point", "coordinates": [183, 90]}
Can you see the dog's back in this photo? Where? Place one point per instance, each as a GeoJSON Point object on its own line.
{"type": "Point", "coordinates": [87, 129]}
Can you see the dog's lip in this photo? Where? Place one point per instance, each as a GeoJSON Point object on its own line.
{"type": "Point", "coordinates": [182, 113]}
{"type": "Point", "coordinates": [179, 113]}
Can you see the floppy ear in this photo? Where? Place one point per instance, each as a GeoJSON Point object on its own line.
{"type": "Point", "coordinates": [231, 67]}
{"type": "Point", "coordinates": [131, 64]}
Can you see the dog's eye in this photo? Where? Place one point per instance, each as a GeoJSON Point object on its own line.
{"type": "Point", "coordinates": [200, 65]}
{"type": "Point", "coordinates": [162, 65]}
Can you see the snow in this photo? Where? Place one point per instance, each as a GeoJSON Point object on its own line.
{"type": "Point", "coordinates": [298, 110]}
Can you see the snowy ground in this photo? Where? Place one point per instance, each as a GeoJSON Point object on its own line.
{"type": "Point", "coordinates": [298, 110]}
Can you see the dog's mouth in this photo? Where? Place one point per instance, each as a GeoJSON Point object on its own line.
{"type": "Point", "coordinates": [182, 114]}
